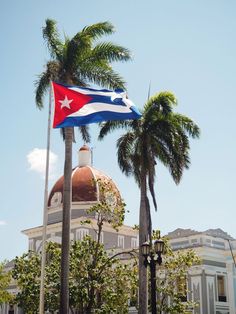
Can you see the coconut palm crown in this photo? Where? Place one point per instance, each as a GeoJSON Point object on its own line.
{"type": "Point", "coordinates": [81, 60]}
{"type": "Point", "coordinates": [160, 135]}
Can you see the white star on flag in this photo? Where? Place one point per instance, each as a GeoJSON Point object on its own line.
{"type": "Point", "coordinates": [65, 103]}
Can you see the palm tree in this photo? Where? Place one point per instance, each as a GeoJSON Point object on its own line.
{"type": "Point", "coordinates": [160, 135]}
{"type": "Point", "coordinates": [78, 61]}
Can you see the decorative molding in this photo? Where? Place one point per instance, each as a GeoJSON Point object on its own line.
{"type": "Point", "coordinates": [181, 233]}
{"type": "Point", "coordinates": [219, 233]}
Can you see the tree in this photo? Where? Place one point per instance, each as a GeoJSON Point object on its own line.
{"type": "Point", "coordinates": [103, 284]}
{"type": "Point", "coordinates": [172, 277]}
{"type": "Point", "coordinates": [109, 284]}
{"type": "Point", "coordinates": [5, 278]}
{"type": "Point", "coordinates": [160, 135]}
{"type": "Point", "coordinates": [77, 61]}
{"type": "Point", "coordinates": [110, 209]}
{"type": "Point", "coordinates": [98, 282]}
{"type": "Point", "coordinates": [26, 272]}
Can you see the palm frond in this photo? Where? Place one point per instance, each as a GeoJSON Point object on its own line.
{"type": "Point", "coordinates": [109, 52]}
{"type": "Point", "coordinates": [136, 164]}
{"type": "Point", "coordinates": [52, 73]}
{"type": "Point", "coordinates": [161, 103]}
{"type": "Point", "coordinates": [50, 34]}
{"type": "Point", "coordinates": [41, 88]}
{"type": "Point", "coordinates": [102, 76]}
{"type": "Point", "coordinates": [173, 159]}
{"type": "Point", "coordinates": [78, 49]}
{"type": "Point", "coordinates": [110, 126]}
{"type": "Point", "coordinates": [97, 30]}
{"type": "Point", "coordinates": [82, 43]}
{"type": "Point", "coordinates": [84, 132]}
{"type": "Point", "coordinates": [187, 124]}
{"type": "Point", "coordinates": [124, 152]}
{"type": "Point", "coordinates": [136, 159]}
{"type": "Point", "coordinates": [165, 148]}
{"type": "Point", "coordinates": [148, 215]}
{"type": "Point", "coordinates": [78, 81]}
{"type": "Point", "coordinates": [151, 178]}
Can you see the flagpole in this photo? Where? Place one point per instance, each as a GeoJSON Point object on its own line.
{"type": "Point", "coordinates": [66, 218]}
{"type": "Point", "coordinates": [45, 211]}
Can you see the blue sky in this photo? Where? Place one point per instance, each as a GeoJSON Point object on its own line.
{"type": "Point", "coordinates": [186, 46]}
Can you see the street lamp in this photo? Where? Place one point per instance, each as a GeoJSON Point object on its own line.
{"type": "Point", "coordinates": [152, 256]}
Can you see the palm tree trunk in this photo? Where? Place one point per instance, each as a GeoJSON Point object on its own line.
{"type": "Point", "coordinates": [64, 292]}
{"type": "Point", "coordinates": [143, 236]}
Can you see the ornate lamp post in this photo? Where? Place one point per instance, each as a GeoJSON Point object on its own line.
{"type": "Point", "coordinates": [152, 257]}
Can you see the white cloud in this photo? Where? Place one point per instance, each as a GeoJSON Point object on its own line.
{"type": "Point", "coordinates": [2, 223]}
{"type": "Point", "coordinates": [37, 162]}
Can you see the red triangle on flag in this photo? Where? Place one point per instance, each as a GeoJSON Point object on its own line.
{"type": "Point", "coordinates": [67, 101]}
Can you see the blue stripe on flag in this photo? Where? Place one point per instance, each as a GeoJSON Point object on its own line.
{"type": "Point", "coordinates": [106, 100]}
{"type": "Point", "coordinates": [97, 117]}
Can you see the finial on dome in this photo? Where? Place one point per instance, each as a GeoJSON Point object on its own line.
{"type": "Point", "coordinates": [84, 156]}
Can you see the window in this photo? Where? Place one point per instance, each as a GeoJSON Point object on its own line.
{"type": "Point", "coordinates": [38, 246]}
{"type": "Point", "coordinates": [221, 288]}
{"type": "Point", "coordinates": [121, 241]}
{"type": "Point", "coordinates": [11, 309]}
{"type": "Point", "coordinates": [179, 245]}
{"type": "Point", "coordinates": [134, 243]}
{"type": "Point", "coordinates": [218, 244]}
{"type": "Point", "coordinates": [31, 244]}
{"type": "Point", "coordinates": [133, 301]}
{"type": "Point", "coordinates": [81, 233]}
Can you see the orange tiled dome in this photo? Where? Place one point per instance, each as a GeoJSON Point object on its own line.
{"type": "Point", "coordinates": [84, 186]}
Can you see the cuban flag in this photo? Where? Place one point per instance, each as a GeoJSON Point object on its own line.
{"type": "Point", "coordinates": [75, 106]}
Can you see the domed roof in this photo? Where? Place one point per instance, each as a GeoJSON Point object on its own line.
{"type": "Point", "coordinates": [84, 183]}
{"type": "Point", "coordinates": [84, 147]}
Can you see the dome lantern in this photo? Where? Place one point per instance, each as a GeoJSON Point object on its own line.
{"type": "Point", "coordinates": [84, 156]}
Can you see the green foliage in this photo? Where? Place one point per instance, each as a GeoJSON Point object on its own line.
{"type": "Point", "coordinates": [160, 135]}
{"type": "Point", "coordinates": [97, 281]}
{"type": "Point", "coordinates": [82, 59]}
{"type": "Point", "coordinates": [5, 277]}
{"type": "Point", "coordinates": [26, 272]}
{"type": "Point", "coordinates": [172, 280]}
{"type": "Point", "coordinates": [136, 227]}
{"type": "Point", "coordinates": [110, 207]}
{"type": "Point", "coordinates": [103, 284]}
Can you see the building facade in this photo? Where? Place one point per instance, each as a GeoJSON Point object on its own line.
{"type": "Point", "coordinates": [212, 283]}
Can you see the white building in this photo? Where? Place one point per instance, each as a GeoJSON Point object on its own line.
{"type": "Point", "coordinates": [213, 283]}
{"type": "Point", "coordinates": [85, 193]}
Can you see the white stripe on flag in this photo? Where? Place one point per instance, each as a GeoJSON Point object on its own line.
{"type": "Point", "coordinates": [98, 107]}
